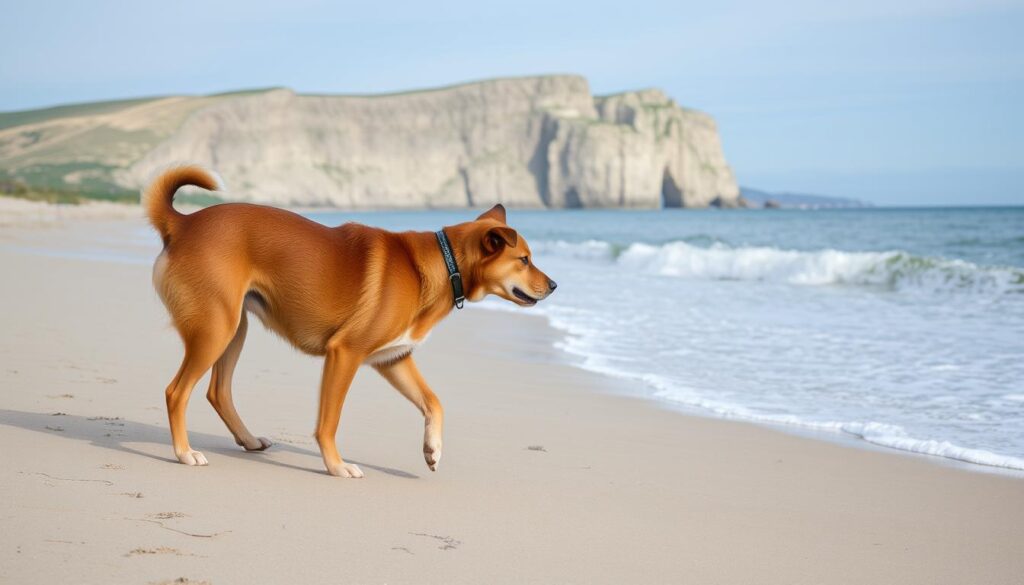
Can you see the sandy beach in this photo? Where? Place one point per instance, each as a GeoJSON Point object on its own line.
{"type": "Point", "coordinates": [550, 474]}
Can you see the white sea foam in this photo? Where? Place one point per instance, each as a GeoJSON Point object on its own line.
{"type": "Point", "coordinates": [877, 433]}
{"type": "Point", "coordinates": [895, 270]}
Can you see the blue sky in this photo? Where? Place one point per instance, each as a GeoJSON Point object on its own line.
{"type": "Point", "coordinates": [898, 102]}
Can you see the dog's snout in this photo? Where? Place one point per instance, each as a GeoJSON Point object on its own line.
{"type": "Point", "coordinates": [552, 285]}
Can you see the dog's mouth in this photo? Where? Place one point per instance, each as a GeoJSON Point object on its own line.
{"type": "Point", "coordinates": [526, 299]}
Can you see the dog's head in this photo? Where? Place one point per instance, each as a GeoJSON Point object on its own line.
{"type": "Point", "coordinates": [500, 262]}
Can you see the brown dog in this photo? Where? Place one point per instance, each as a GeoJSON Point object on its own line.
{"type": "Point", "coordinates": [353, 294]}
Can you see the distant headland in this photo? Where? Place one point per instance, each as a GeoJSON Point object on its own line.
{"type": "Point", "coordinates": [541, 142]}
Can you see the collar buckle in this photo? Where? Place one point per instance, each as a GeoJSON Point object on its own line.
{"type": "Point", "coordinates": [460, 297]}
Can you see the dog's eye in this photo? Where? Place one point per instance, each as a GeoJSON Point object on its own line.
{"type": "Point", "coordinates": [525, 260]}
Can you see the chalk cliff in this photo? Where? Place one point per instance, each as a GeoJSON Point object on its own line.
{"type": "Point", "coordinates": [527, 142]}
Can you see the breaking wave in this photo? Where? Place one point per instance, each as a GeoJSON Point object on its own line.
{"type": "Point", "coordinates": [893, 270]}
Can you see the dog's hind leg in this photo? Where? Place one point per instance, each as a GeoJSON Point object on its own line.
{"type": "Point", "coordinates": [219, 393]}
{"type": "Point", "coordinates": [406, 378]}
{"type": "Point", "coordinates": [203, 346]}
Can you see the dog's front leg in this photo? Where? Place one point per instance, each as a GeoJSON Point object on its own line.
{"type": "Point", "coordinates": [340, 367]}
{"type": "Point", "coordinates": [406, 378]}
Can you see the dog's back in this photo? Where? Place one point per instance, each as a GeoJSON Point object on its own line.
{"type": "Point", "coordinates": [299, 277]}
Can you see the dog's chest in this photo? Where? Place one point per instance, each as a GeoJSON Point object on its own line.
{"type": "Point", "coordinates": [395, 349]}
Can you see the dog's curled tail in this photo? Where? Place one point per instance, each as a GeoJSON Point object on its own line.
{"type": "Point", "coordinates": [158, 197]}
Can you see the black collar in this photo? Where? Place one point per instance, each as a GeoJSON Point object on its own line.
{"type": "Point", "coordinates": [453, 269]}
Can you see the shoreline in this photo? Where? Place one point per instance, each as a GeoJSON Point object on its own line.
{"type": "Point", "coordinates": [550, 473]}
{"type": "Point", "coordinates": [804, 430]}
{"type": "Point", "coordinates": [807, 430]}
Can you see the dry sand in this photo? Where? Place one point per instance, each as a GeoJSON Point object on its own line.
{"type": "Point", "coordinates": [550, 474]}
{"type": "Point", "coordinates": [16, 212]}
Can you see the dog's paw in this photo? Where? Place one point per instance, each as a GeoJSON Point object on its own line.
{"type": "Point", "coordinates": [256, 444]}
{"type": "Point", "coordinates": [192, 457]}
{"type": "Point", "coordinates": [432, 455]}
{"type": "Point", "coordinates": [345, 470]}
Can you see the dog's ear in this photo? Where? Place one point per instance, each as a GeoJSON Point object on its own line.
{"type": "Point", "coordinates": [497, 212]}
{"type": "Point", "coordinates": [496, 238]}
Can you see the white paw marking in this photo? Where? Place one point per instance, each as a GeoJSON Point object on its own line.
{"type": "Point", "coordinates": [432, 455]}
{"type": "Point", "coordinates": [257, 444]}
{"type": "Point", "coordinates": [345, 470]}
{"type": "Point", "coordinates": [192, 457]}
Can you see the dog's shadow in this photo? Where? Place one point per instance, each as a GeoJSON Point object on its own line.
{"type": "Point", "coordinates": [120, 434]}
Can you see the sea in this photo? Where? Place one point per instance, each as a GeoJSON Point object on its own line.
{"type": "Point", "coordinates": [903, 328]}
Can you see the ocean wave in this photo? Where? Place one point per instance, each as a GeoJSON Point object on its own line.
{"type": "Point", "coordinates": [894, 270]}
{"type": "Point", "coordinates": [877, 433]}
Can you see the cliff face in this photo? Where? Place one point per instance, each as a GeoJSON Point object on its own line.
{"type": "Point", "coordinates": [528, 142]}
{"type": "Point", "coordinates": [640, 150]}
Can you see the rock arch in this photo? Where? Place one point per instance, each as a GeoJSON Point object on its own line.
{"type": "Point", "coordinates": [671, 194]}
